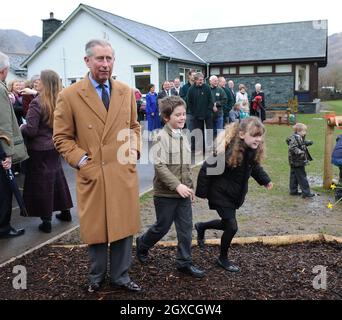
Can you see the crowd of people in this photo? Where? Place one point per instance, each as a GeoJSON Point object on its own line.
{"type": "Point", "coordinates": [40, 123]}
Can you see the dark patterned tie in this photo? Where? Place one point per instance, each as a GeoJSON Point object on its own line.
{"type": "Point", "coordinates": [104, 96]}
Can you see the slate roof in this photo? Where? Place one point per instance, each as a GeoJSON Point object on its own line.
{"type": "Point", "coordinates": [294, 40]}
{"type": "Point", "coordinates": [160, 41]}
{"type": "Point", "coordinates": [15, 61]}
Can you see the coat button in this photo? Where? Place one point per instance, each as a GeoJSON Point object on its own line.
{"type": "Point", "coordinates": [103, 163]}
{"type": "Point", "coordinates": [90, 126]}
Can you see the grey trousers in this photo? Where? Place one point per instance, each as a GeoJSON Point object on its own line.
{"type": "Point", "coordinates": [298, 177]}
{"type": "Point", "coordinates": [169, 210]}
{"type": "Point", "coordinates": [120, 259]}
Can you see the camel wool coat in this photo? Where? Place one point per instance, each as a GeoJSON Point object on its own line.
{"type": "Point", "coordinates": [107, 190]}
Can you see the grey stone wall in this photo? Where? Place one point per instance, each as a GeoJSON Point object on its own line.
{"type": "Point", "coordinates": [277, 89]}
{"type": "Point", "coordinates": [173, 69]}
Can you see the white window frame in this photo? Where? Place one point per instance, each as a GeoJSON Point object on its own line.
{"type": "Point", "coordinates": [246, 67]}
{"type": "Point", "coordinates": [283, 68]}
{"type": "Point", "coordinates": [229, 70]}
{"type": "Point", "coordinates": [214, 71]}
{"type": "Point", "coordinates": [264, 69]}
{"type": "Point", "coordinates": [306, 85]}
{"type": "Point", "coordinates": [144, 73]}
{"type": "Point", "coordinates": [201, 37]}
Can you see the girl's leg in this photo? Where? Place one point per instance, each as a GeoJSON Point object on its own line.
{"type": "Point", "coordinates": [230, 229]}
{"type": "Point", "coordinates": [202, 226]}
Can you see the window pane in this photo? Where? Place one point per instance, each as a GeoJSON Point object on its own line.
{"type": "Point", "coordinates": [229, 70]}
{"type": "Point", "coordinates": [282, 68]}
{"type": "Point", "coordinates": [246, 69]}
{"type": "Point", "coordinates": [142, 69]}
{"type": "Point", "coordinates": [302, 77]}
{"type": "Point", "coordinates": [142, 82]}
{"type": "Point", "coordinates": [214, 71]}
{"type": "Point", "coordinates": [202, 37]}
{"type": "Point", "coordinates": [264, 69]}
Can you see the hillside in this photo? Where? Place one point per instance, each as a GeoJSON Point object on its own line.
{"type": "Point", "coordinates": [14, 41]}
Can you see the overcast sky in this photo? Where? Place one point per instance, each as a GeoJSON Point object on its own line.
{"type": "Point", "coordinates": [26, 15]}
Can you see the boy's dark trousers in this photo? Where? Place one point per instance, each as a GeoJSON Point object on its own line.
{"type": "Point", "coordinates": [169, 210]}
{"type": "Point", "coordinates": [298, 177]}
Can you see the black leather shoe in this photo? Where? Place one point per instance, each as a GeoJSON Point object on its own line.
{"type": "Point", "coordinates": [295, 193]}
{"type": "Point", "coordinates": [65, 215]}
{"type": "Point", "coordinates": [310, 195]}
{"type": "Point", "coordinates": [227, 265]}
{"type": "Point", "coordinates": [142, 255]}
{"type": "Point", "coordinates": [200, 235]}
{"type": "Point", "coordinates": [192, 271]}
{"type": "Point", "coordinates": [45, 227]}
{"type": "Point", "coordinates": [129, 286]}
{"type": "Point", "coordinates": [12, 233]}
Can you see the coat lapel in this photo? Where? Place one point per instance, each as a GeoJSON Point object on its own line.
{"type": "Point", "coordinates": [117, 98]}
{"type": "Point", "coordinates": [91, 98]}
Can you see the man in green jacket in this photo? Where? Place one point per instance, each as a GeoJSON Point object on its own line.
{"type": "Point", "coordinates": [200, 104]}
{"type": "Point", "coordinates": [12, 150]}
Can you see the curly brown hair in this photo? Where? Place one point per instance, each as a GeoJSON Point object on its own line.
{"type": "Point", "coordinates": [230, 143]}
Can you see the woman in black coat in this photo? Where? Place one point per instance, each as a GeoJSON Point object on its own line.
{"type": "Point", "coordinates": [240, 150]}
{"type": "Point", "coordinates": [45, 186]}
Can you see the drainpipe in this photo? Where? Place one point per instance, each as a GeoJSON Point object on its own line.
{"type": "Point", "coordinates": [208, 70]}
{"type": "Point", "coordinates": [167, 69]}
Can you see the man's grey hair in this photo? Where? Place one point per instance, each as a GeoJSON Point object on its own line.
{"type": "Point", "coordinates": [213, 78]}
{"type": "Point", "coordinates": [4, 61]}
{"type": "Point", "coordinates": [198, 75]}
{"type": "Point", "coordinates": [96, 42]}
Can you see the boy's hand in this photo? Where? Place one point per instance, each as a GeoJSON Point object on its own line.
{"type": "Point", "coordinates": [184, 191]}
{"type": "Point", "coordinates": [269, 186]}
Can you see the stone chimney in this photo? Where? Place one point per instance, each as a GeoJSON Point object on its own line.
{"type": "Point", "coordinates": [50, 26]}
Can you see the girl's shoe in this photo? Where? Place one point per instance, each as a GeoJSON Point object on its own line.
{"type": "Point", "coordinates": [227, 265]}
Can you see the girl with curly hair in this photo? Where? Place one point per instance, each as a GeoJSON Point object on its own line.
{"type": "Point", "coordinates": [242, 147]}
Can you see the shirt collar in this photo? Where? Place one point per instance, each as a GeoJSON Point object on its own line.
{"type": "Point", "coordinates": [96, 84]}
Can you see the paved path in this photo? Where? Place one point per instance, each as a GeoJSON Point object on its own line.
{"type": "Point", "coordinates": [33, 237]}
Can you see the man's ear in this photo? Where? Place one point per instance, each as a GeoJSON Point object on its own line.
{"type": "Point", "coordinates": [241, 135]}
{"type": "Point", "coordinates": [86, 60]}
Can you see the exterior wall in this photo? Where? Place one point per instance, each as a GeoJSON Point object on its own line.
{"type": "Point", "coordinates": [12, 76]}
{"type": "Point", "coordinates": [173, 69]}
{"type": "Point", "coordinates": [277, 88]}
{"type": "Point", "coordinates": [66, 52]}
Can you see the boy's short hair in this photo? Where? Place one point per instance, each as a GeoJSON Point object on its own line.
{"type": "Point", "coordinates": [298, 127]}
{"type": "Point", "coordinates": [237, 105]}
{"type": "Point", "coordinates": [168, 104]}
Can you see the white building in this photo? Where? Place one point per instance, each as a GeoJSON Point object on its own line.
{"type": "Point", "coordinates": [143, 54]}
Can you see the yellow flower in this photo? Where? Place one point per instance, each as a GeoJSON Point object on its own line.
{"type": "Point", "coordinates": [330, 205]}
{"type": "Point", "coordinates": [333, 186]}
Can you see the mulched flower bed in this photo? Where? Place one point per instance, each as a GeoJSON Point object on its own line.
{"type": "Point", "coordinates": [267, 272]}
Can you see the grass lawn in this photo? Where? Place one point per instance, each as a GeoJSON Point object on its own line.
{"type": "Point", "coordinates": [276, 163]}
